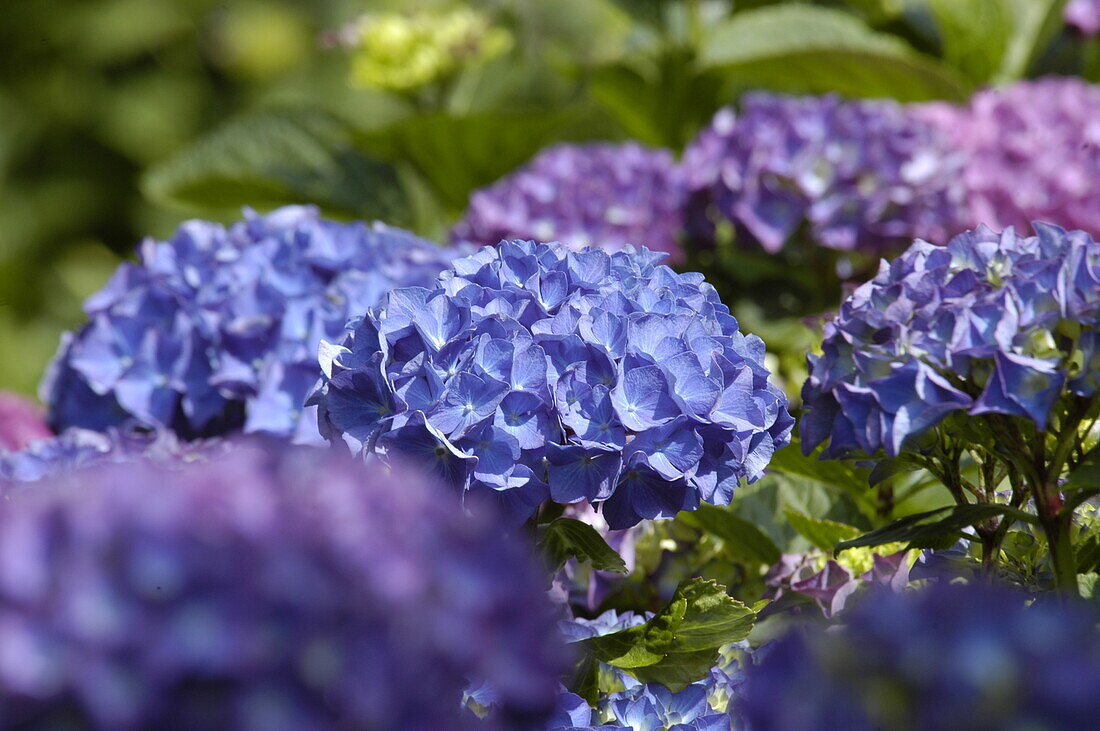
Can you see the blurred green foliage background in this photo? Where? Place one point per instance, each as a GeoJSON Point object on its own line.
{"type": "Point", "coordinates": [123, 117]}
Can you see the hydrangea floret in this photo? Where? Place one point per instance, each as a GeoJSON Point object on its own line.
{"type": "Point", "coordinates": [535, 372]}
{"type": "Point", "coordinates": [600, 195]}
{"type": "Point", "coordinates": [987, 348]}
{"type": "Point", "coordinates": [217, 329]}
{"type": "Point", "coordinates": [21, 422]}
{"type": "Point", "coordinates": [950, 656]}
{"type": "Point", "coordinates": [270, 588]}
{"type": "Point", "coordinates": [867, 176]}
{"type": "Point", "coordinates": [1084, 16]}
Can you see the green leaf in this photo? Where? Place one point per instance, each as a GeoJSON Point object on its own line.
{"type": "Point", "coordinates": [566, 538]}
{"type": "Point", "coordinates": [796, 47]}
{"type": "Point", "coordinates": [679, 645]}
{"type": "Point", "coordinates": [995, 40]}
{"type": "Point", "coordinates": [1086, 475]}
{"type": "Point", "coordinates": [928, 529]}
{"type": "Point", "coordinates": [280, 156]}
{"type": "Point", "coordinates": [457, 154]}
{"type": "Point", "coordinates": [824, 534]}
{"type": "Point", "coordinates": [1088, 554]}
{"type": "Point", "coordinates": [741, 538]}
{"type": "Point", "coordinates": [838, 473]}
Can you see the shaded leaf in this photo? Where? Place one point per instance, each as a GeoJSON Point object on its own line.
{"type": "Point", "coordinates": [1086, 475]}
{"type": "Point", "coordinates": [824, 534]}
{"type": "Point", "coordinates": [932, 528]}
{"type": "Point", "coordinates": [742, 539]}
{"type": "Point", "coordinates": [796, 47]}
{"type": "Point", "coordinates": [457, 154]}
{"type": "Point", "coordinates": [275, 157]}
{"type": "Point", "coordinates": [567, 538]}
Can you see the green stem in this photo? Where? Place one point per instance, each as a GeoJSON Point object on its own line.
{"type": "Point", "coordinates": [1062, 557]}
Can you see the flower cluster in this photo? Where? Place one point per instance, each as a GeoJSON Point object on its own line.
{"type": "Point", "coordinates": [946, 657]}
{"type": "Point", "coordinates": [600, 195]}
{"type": "Point", "coordinates": [267, 588]}
{"type": "Point", "coordinates": [403, 51]}
{"type": "Point", "coordinates": [831, 584]}
{"type": "Point", "coordinates": [990, 323]}
{"type": "Point", "coordinates": [218, 328]}
{"type": "Point", "coordinates": [1032, 153]}
{"type": "Point", "coordinates": [20, 423]}
{"type": "Point", "coordinates": [1084, 15]}
{"type": "Point", "coordinates": [533, 371]}
{"type": "Point", "coordinates": [854, 175]}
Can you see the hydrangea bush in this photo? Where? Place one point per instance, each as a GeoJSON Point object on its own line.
{"type": "Point", "coordinates": [866, 176]}
{"type": "Point", "coordinates": [1032, 152]}
{"type": "Point", "coordinates": [217, 329]}
{"type": "Point", "coordinates": [988, 346]}
{"type": "Point", "coordinates": [946, 657]}
{"type": "Point", "coordinates": [535, 372]}
{"type": "Point", "coordinates": [267, 588]}
{"type": "Point", "coordinates": [599, 195]}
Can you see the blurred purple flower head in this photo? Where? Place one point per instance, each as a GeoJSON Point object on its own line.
{"type": "Point", "coordinates": [600, 195]}
{"type": "Point", "coordinates": [536, 372]}
{"type": "Point", "coordinates": [217, 329]}
{"type": "Point", "coordinates": [1032, 153]}
{"type": "Point", "coordinates": [269, 588]}
{"type": "Point", "coordinates": [1084, 15]}
{"type": "Point", "coordinates": [990, 323]}
{"type": "Point", "coordinates": [948, 656]}
{"type": "Point", "coordinates": [855, 175]}
{"type": "Point", "coordinates": [21, 422]}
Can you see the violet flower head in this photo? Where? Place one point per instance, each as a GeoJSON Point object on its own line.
{"type": "Point", "coordinates": [216, 330]}
{"type": "Point", "coordinates": [989, 324]}
{"type": "Point", "coordinates": [21, 423]}
{"type": "Point", "coordinates": [853, 175]}
{"type": "Point", "coordinates": [270, 588]}
{"type": "Point", "coordinates": [600, 195]}
{"type": "Point", "coordinates": [534, 372]}
{"type": "Point", "coordinates": [1032, 153]}
{"type": "Point", "coordinates": [1084, 16]}
{"type": "Point", "coordinates": [947, 657]}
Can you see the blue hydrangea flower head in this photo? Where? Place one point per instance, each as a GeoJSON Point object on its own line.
{"type": "Point", "coordinates": [216, 330]}
{"type": "Point", "coordinates": [535, 372]}
{"type": "Point", "coordinates": [268, 588]}
{"type": "Point", "coordinates": [949, 656]}
{"type": "Point", "coordinates": [850, 175]}
{"type": "Point", "coordinates": [989, 324]}
{"type": "Point", "coordinates": [600, 195]}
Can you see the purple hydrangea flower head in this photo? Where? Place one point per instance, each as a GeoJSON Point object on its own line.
{"type": "Point", "coordinates": [989, 324]}
{"type": "Point", "coordinates": [1032, 152]}
{"type": "Point", "coordinates": [217, 329]}
{"type": "Point", "coordinates": [268, 588]}
{"type": "Point", "coordinates": [1084, 15]}
{"type": "Point", "coordinates": [946, 657]}
{"type": "Point", "coordinates": [599, 195]}
{"type": "Point", "coordinates": [21, 423]}
{"type": "Point", "coordinates": [534, 372]}
{"type": "Point", "coordinates": [854, 175]}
